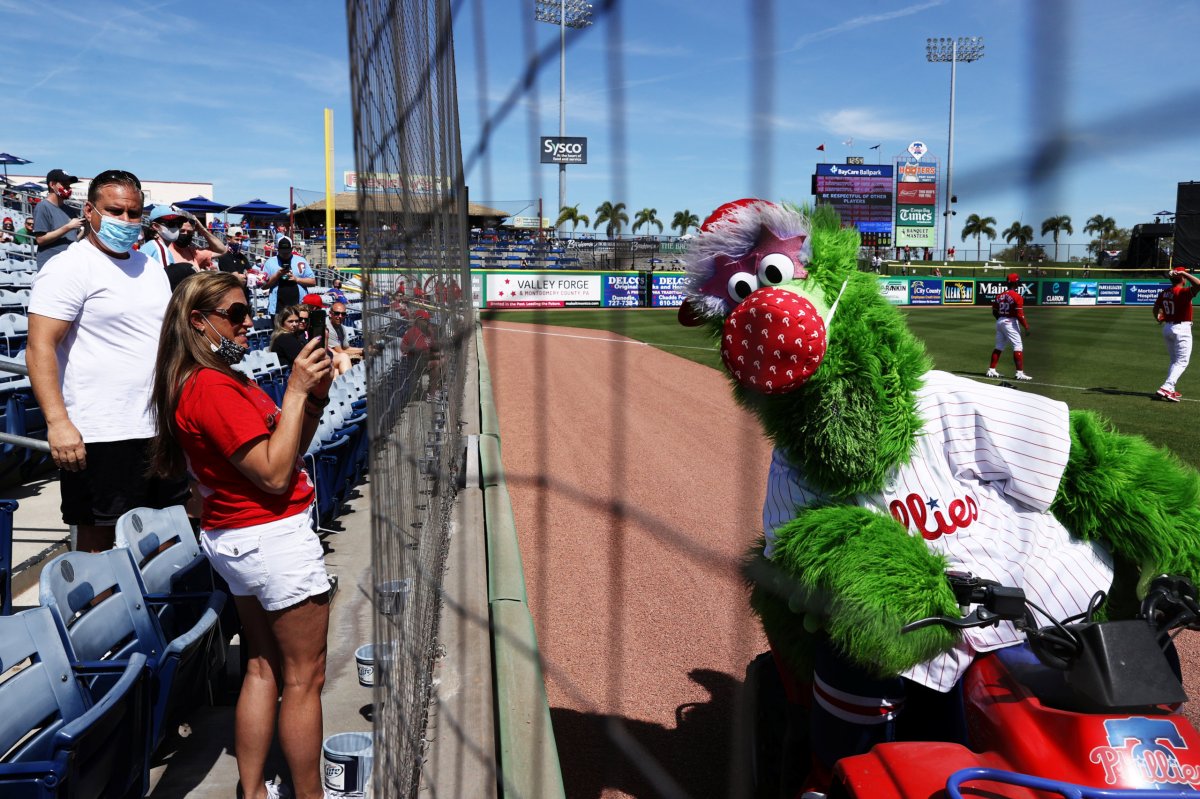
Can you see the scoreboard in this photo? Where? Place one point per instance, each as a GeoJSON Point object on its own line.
{"type": "Point", "coordinates": [861, 193]}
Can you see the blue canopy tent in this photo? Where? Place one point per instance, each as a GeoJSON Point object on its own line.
{"type": "Point", "coordinates": [201, 205]}
{"type": "Point", "coordinates": [15, 160]}
{"type": "Point", "coordinates": [30, 186]}
{"type": "Point", "coordinates": [256, 208]}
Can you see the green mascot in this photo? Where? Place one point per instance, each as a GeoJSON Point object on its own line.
{"type": "Point", "coordinates": [886, 474]}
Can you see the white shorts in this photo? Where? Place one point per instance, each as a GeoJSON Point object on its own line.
{"type": "Point", "coordinates": [279, 563]}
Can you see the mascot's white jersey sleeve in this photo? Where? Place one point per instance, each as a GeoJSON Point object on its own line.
{"type": "Point", "coordinates": [978, 488]}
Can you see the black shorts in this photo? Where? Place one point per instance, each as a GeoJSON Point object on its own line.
{"type": "Point", "coordinates": [114, 482]}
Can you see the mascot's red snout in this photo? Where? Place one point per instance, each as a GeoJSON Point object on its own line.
{"type": "Point", "coordinates": [773, 342]}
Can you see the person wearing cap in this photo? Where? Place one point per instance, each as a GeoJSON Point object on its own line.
{"type": "Point", "coordinates": [7, 231]}
{"type": "Point", "coordinates": [286, 274]}
{"type": "Point", "coordinates": [55, 224]}
{"type": "Point", "coordinates": [234, 261]}
{"type": "Point", "coordinates": [1173, 310]}
{"type": "Point", "coordinates": [174, 244]}
{"type": "Point", "coordinates": [1009, 310]}
{"type": "Point", "coordinates": [418, 345]}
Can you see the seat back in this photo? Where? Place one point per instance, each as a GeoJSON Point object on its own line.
{"type": "Point", "coordinates": [7, 508]}
{"type": "Point", "coordinates": [99, 600]}
{"type": "Point", "coordinates": [57, 739]}
{"type": "Point", "coordinates": [164, 549]}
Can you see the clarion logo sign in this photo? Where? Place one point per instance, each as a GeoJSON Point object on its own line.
{"type": "Point", "coordinates": [565, 150]}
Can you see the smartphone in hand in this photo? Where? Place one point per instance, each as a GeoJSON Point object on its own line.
{"type": "Point", "coordinates": [316, 325]}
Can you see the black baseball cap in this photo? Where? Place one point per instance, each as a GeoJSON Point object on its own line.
{"type": "Point", "coordinates": [58, 176]}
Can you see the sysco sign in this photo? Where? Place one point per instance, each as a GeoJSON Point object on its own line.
{"type": "Point", "coordinates": [564, 149]}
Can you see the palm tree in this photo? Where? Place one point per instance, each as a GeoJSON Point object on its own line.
{"type": "Point", "coordinates": [1057, 225]}
{"type": "Point", "coordinates": [647, 217]}
{"type": "Point", "coordinates": [1103, 227]}
{"type": "Point", "coordinates": [570, 213]}
{"type": "Point", "coordinates": [684, 220]}
{"type": "Point", "coordinates": [1022, 234]}
{"type": "Point", "coordinates": [978, 227]}
{"type": "Point", "coordinates": [612, 214]}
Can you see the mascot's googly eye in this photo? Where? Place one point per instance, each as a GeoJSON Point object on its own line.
{"type": "Point", "coordinates": [776, 269]}
{"type": "Point", "coordinates": [741, 286]}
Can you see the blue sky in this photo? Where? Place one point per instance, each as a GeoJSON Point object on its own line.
{"type": "Point", "coordinates": [233, 93]}
{"type": "Point", "coordinates": [853, 70]}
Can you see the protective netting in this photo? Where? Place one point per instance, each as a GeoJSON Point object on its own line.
{"type": "Point", "coordinates": [411, 216]}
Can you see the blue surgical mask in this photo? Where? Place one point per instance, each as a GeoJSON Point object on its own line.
{"type": "Point", "coordinates": [117, 235]}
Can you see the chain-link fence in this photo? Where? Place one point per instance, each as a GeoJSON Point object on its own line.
{"type": "Point", "coordinates": [412, 225]}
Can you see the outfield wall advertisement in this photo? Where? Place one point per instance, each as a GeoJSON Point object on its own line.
{"type": "Point", "coordinates": [522, 289]}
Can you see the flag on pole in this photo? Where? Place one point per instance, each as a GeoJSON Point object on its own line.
{"type": "Point", "coordinates": [849, 142]}
{"type": "Point", "coordinates": [876, 147]}
{"type": "Point", "coordinates": [821, 146]}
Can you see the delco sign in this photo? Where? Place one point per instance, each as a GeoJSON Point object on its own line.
{"type": "Point", "coordinates": [564, 149]}
{"type": "Point", "coordinates": [915, 215]}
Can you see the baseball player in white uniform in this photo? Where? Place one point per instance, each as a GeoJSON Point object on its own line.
{"type": "Point", "coordinates": [1009, 310]}
{"type": "Point", "coordinates": [1173, 310]}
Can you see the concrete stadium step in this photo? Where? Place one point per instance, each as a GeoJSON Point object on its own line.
{"type": "Point", "coordinates": [38, 535]}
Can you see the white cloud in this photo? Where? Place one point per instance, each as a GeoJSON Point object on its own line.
{"type": "Point", "coordinates": [864, 123]}
{"type": "Point", "coordinates": [862, 22]}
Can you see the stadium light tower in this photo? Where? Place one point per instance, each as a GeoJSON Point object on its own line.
{"type": "Point", "coordinates": [565, 14]}
{"type": "Point", "coordinates": [965, 49]}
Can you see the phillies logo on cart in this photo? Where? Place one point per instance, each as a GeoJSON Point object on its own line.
{"type": "Point", "coordinates": [1144, 753]}
{"type": "Point", "coordinates": [913, 512]}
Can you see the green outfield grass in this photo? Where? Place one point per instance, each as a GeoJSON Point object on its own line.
{"type": "Point", "coordinates": [1110, 360]}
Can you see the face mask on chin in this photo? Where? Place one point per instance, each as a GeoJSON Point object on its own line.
{"type": "Point", "coordinates": [228, 350]}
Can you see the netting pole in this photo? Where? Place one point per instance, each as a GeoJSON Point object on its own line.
{"type": "Point", "coordinates": [330, 232]}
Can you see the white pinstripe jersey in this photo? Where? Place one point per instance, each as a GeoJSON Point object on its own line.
{"type": "Point", "coordinates": [983, 472]}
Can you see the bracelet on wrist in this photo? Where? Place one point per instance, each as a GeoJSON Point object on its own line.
{"type": "Point", "coordinates": [319, 402]}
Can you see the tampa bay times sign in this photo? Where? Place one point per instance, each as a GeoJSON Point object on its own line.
{"type": "Point", "coordinates": [563, 149]}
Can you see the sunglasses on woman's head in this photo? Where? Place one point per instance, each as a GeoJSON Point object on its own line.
{"type": "Point", "coordinates": [236, 313]}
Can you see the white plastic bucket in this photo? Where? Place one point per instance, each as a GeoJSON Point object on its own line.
{"type": "Point", "coordinates": [347, 763]}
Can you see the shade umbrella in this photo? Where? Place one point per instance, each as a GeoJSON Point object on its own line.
{"type": "Point", "coordinates": [30, 186]}
{"type": "Point", "coordinates": [201, 205]}
{"type": "Point", "coordinates": [15, 160]}
{"type": "Point", "coordinates": [256, 208]}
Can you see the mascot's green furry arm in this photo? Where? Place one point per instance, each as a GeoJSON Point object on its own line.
{"type": "Point", "coordinates": [836, 379]}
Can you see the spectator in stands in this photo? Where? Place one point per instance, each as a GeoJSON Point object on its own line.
{"type": "Point", "coordinates": [94, 318]}
{"type": "Point", "coordinates": [257, 520]}
{"type": "Point", "coordinates": [418, 345]}
{"type": "Point", "coordinates": [55, 224]}
{"type": "Point", "coordinates": [262, 321]}
{"type": "Point", "coordinates": [286, 273]}
{"type": "Point", "coordinates": [177, 230]}
{"type": "Point", "coordinates": [335, 293]}
{"type": "Point", "coordinates": [234, 261]}
{"type": "Point", "coordinates": [7, 231]}
{"type": "Point", "coordinates": [339, 339]}
{"type": "Point", "coordinates": [288, 338]}
{"type": "Point", "coordinates": [163, 232]}
{"type": "Point", "coordinates": [25, 235]}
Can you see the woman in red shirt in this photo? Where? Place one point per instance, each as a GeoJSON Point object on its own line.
{"type": "Point", "coordinates": [256, 524]}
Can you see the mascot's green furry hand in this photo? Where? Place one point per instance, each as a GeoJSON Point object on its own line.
{"type": "Point", "coordinates": [863, 577]}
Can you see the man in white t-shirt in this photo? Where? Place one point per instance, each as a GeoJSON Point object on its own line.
{"type": "Point", "coordinates": [94, 318]}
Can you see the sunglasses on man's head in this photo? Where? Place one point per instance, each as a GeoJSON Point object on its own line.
{"type": "Point", "coordinates": [236, 313]}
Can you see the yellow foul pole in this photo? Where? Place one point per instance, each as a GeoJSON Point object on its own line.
{"type": "Point", "coordinates": [330, 225]}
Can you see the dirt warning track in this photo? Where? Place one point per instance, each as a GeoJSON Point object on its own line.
{"type": "Point", "coordinates": [636, 484]}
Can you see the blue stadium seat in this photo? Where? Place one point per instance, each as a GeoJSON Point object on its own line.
{"type": "Point", "coordinates": [99, 599]}
{"type": "Point", "coordinates": [60, 738]}
{"type": "Point", "coordinates": [7, 508]}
